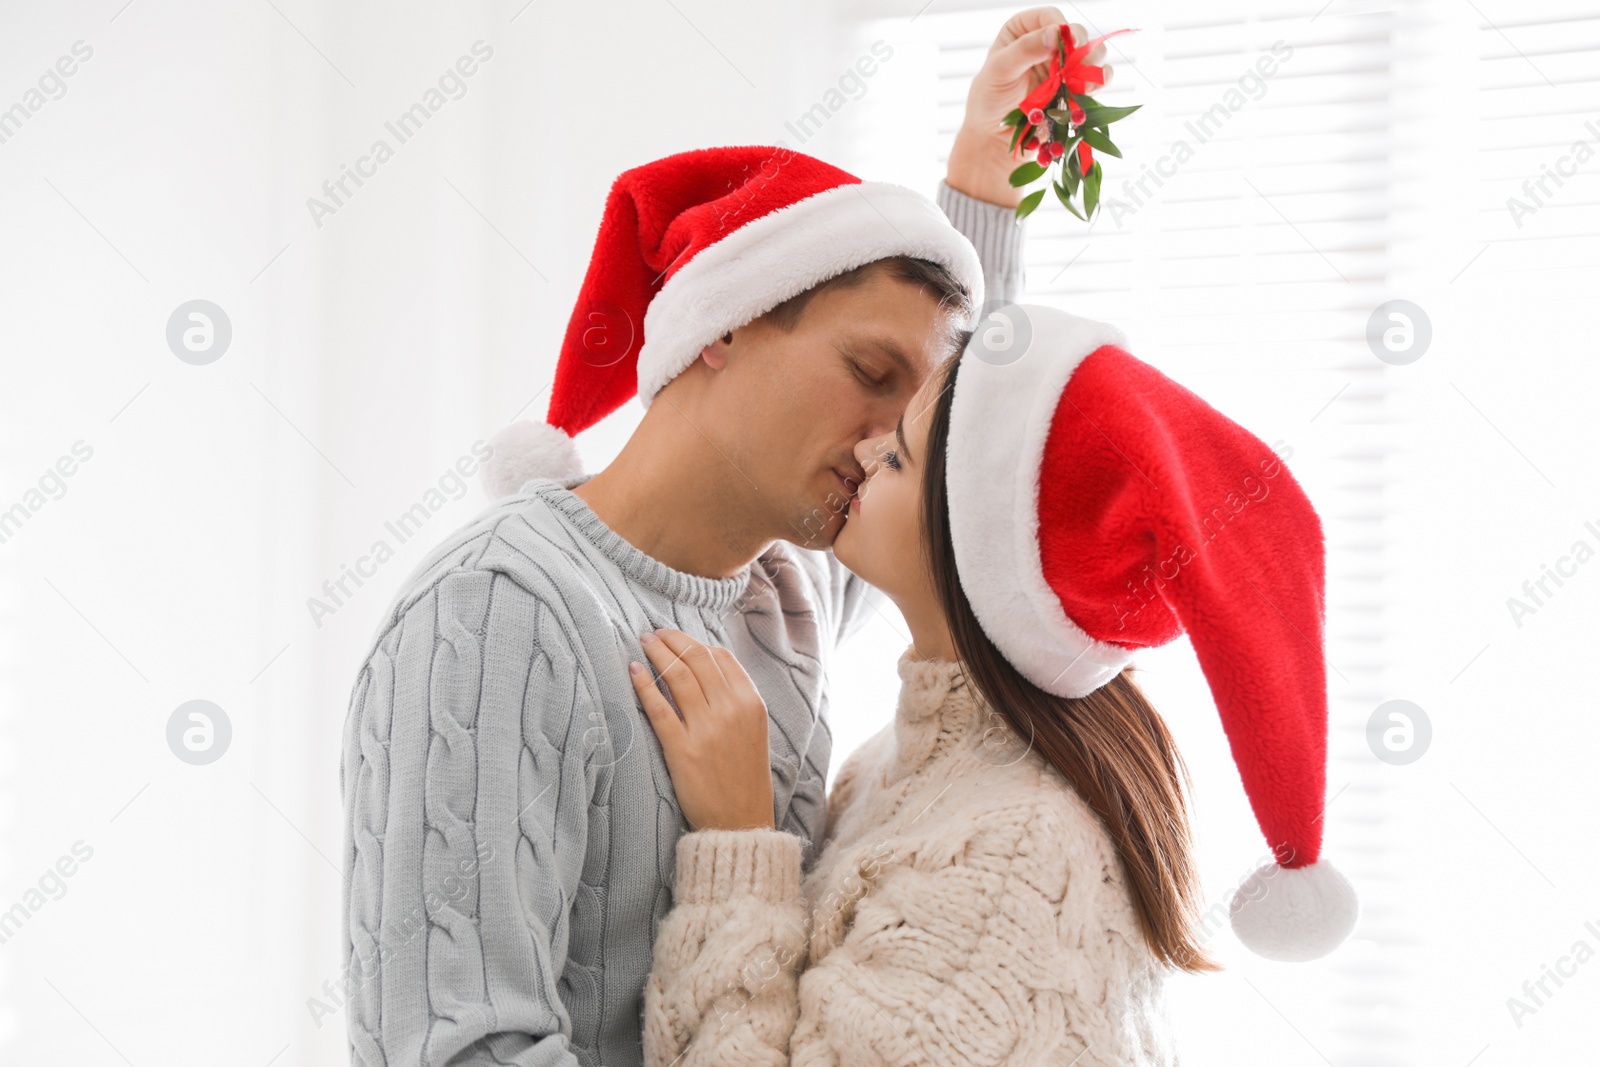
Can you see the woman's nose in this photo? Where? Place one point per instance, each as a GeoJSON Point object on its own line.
{"type": "Point", "coordinates": [865, 455]}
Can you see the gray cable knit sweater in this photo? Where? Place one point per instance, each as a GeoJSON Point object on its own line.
{"type": "Point", "coordinates": [510, 826]}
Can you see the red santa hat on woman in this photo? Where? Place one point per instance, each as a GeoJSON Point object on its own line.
{"type": "Point", "coordinates": [698, 244]}
{"type": "Point", "coordinates": [1097, 507]}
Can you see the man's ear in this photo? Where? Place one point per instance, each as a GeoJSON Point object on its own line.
{"type": "Point", "coordinates": [716, 353]}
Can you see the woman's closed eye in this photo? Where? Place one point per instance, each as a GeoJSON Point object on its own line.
{"type": "Point", "coordinates": [891, 459]}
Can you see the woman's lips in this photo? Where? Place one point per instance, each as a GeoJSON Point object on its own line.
{"type": "Point", "coordinates": [852, 485]}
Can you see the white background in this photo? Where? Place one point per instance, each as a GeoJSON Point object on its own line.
{"type": "Point", "coordinates": [370, 352]}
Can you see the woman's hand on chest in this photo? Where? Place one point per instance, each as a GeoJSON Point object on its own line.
{"type": "Point", "coordinates": [715, 743]}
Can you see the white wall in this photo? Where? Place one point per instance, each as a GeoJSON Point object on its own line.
{"type": "Point", "coordinates": [368, 354]}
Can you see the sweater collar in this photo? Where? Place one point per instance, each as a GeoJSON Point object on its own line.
{"type": "Point", "coordinates": [692, 590]}
{"type": "Point", "coordinates": [940, 712]}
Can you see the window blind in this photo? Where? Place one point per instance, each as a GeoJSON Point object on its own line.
{"type": "Point", "coordinates": [1242, 242]}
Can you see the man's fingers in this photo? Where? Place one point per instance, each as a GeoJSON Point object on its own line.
{"type": "Point", "coordinates": [1029, 50]}
{"type": "Point", "coordinates": [668, 727]}
{"type": "Point", "coordinates": [1028, 41]}
{"type": "Point", "coordinates": [1025, 22]}
{"type": "Point", "coordinates": [677, 674]}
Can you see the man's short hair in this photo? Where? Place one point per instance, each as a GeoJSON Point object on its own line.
{"type": "Point", "coordinates": [951, 294]}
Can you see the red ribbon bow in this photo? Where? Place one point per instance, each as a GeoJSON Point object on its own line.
{"type": "Point", "coordinates": [1072, 72]}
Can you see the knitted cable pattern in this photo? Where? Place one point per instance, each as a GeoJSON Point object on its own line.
{"type": "Point", "coordinates": [510, 823]}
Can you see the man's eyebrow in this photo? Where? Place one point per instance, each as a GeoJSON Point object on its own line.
{"type": "Point", "coordinates": [900, 435]}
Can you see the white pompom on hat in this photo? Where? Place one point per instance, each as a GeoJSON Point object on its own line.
{"type": "Point", "coordinates": [526, 450]}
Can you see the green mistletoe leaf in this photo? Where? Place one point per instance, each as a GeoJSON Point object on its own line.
{"type": "Point", "coordinates": [1029, 202]}
{"type": "Point", "coordinates": [1066, 199]}
{"type": "Point", "coordinates": [1026, 173]}
{"type": "Point", "coordinates": [1091, 191]}
{"type": "Point", "coordinates": [1100, 142]}
{"type": "Point", "coordinates": [1095, 115]}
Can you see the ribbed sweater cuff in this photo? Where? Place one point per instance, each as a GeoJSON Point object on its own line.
{"type": "Point", "coordinates": [995, 233]}
{"type": "Point", "coordinates": [720, 865]}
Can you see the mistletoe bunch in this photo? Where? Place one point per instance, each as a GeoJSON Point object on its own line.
{"type": "Point", "coordinates": [1061, 124]}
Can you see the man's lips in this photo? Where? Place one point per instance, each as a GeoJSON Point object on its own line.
{"type": "Point", "coordinates": [851, 481]}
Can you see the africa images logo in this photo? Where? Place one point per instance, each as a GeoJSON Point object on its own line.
{"type": "Point", "coordinates": [337, 191]}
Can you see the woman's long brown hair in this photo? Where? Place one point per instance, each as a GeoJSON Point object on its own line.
{"type": "Point", "coordinates": [1111, 745]}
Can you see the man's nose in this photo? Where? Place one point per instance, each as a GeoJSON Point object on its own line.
{"type": "Point", "coordinates": [885, 414]}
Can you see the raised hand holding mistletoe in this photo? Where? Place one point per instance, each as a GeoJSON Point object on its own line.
{"type": "Point", "coordinates": [1016, 63]}
{"type": "Point", "coordinates": [1061, 124]}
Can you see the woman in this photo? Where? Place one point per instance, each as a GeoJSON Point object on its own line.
{"type": "Point", "coordinates": [1007, 870]}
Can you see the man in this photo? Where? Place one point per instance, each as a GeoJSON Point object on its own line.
{"type": "Point", "coordinates": [510, 824]}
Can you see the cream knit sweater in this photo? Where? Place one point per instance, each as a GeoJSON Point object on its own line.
{"type": "Point", "coordinates": [967, 908]}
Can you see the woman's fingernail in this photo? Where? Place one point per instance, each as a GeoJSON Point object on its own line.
{"type": "Point", "coordinates": [635, 668]}
{"type": "Point", "coordinates": [646, 637]}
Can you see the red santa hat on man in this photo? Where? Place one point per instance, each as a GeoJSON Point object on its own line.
{"type": "Point", "coordinates": [1097, 507]}
{"type": "Point", "coordinates": [698, 244]}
